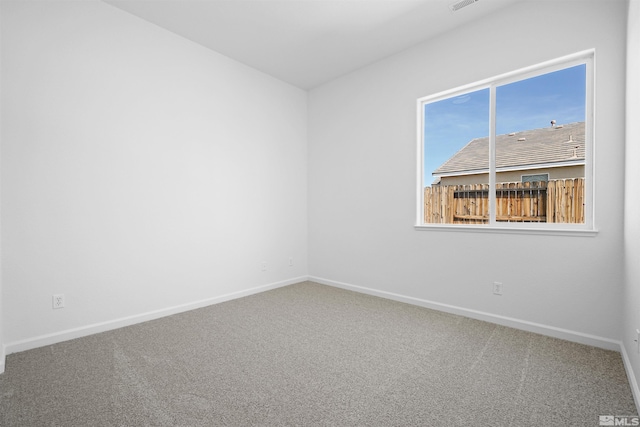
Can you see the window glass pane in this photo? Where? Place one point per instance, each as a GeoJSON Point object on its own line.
{"type": "Point", "coordinates": [456, 159]}
{"type": "Point", "coordinates": [535, 178]}
{"type": "Point", "coordinates": [540, 131]}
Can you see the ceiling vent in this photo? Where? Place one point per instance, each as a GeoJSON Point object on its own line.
{"type": "Point", "coordinates": [460, 4]}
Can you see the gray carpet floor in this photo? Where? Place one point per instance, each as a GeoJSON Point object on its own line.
{"type": "Point", "coordinates": [312, 355]}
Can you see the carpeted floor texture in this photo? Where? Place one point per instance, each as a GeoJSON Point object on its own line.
{"type": "Point", "coordinates": [313, 355]}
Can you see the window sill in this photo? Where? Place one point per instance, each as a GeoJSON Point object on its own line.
{"type": "Point", "coordinates": [576, 232]}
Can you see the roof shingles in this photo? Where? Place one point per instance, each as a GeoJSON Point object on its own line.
{"type": "Point", "coordinates": [562, 143]}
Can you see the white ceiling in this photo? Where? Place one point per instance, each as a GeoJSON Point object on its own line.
{"type": "Point", "coordinates": [307, 42]}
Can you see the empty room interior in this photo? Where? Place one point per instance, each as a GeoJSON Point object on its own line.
{"type": "Point", "coordinates": [249, 177]}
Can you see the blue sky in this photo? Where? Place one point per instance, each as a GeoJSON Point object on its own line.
{"type": "Point", "coordinates": [528, 104]}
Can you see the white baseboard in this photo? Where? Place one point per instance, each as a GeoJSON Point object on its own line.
{"type": "Point", "coordinates": [538, 328]}
{"type": "Point", "coordinates": [524, 325]}
{"type": "Point", "coordinates": [565, 334]}
{"type": "Point", "coordinates": [2, 357]}
{"type": "Point", "coordinates": [633, 383]}
{"type": "Point", "coordinates": [56, 337]}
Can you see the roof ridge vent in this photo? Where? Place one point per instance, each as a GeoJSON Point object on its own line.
{"type": "Point", "coordinates": [460, 4]}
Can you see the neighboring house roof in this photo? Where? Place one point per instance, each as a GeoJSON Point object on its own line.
{"type": "Point", "coordinates": [553, 146]}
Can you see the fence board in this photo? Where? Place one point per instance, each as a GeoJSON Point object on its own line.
{"type": "Point", "coordinates": [560, 201]}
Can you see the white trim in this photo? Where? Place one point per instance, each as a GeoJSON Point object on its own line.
{"type": "Point", "coordinates": [635, 390]}
{"type": "Point", "coordinates": [82, 331]}
{"type": "Point", "coordinates": [586, 57]}
{"type": "Point", "coordinates": [524, 228]}
{"type": "Point", "coordinates": [420, 161]}
{"type": "Point", "coordinates": [3, 357]}
{"type": "Point", "coordinates": [501, 320]}
{"type": "Point", "coordinates": [538, 328]}
{"type": "Point", "coordinates": [512, 76]}
{"type": "Point", "coordinates": [589, 143]}
{"type": "Point", "coordinates": [492, 153]}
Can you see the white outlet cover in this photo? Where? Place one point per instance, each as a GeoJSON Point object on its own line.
{"type": "Point", "coordinates": [497, 288]}
{"type": "Point", "coordinates": [58, 301]}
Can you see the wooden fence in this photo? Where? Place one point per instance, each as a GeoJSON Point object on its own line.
{"type": "Point", "coordinates": [559, 201]}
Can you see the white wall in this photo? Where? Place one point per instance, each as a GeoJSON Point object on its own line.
{"type": "Point", "coordinates": [631, 297]}
{"type": "Point", "coordinates": [2, 351]}
{"type": "Point", "coordinates": [362, 195]}
{"type": "Point", "coordinates": [140, 172]}
{"type": "Point", "coordinates": [114, 129]}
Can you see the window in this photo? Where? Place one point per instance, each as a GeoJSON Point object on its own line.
{"type": "Point", "coordinates": [543, 177]}
{"type": "Point", "coordinates": [510, 152]}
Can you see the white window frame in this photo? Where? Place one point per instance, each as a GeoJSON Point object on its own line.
{"type": "Point", "coordinates": [588, 227]}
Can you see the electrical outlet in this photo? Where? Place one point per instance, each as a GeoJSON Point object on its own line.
{"type": "Point", "coordinates": [264, 266]}
{"type": "Point", "coordinates": [58, 301]}
{"type": "Point", "coordinates": [290, 261]}
{"type": "Point", "coordinates": [497, 288]}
